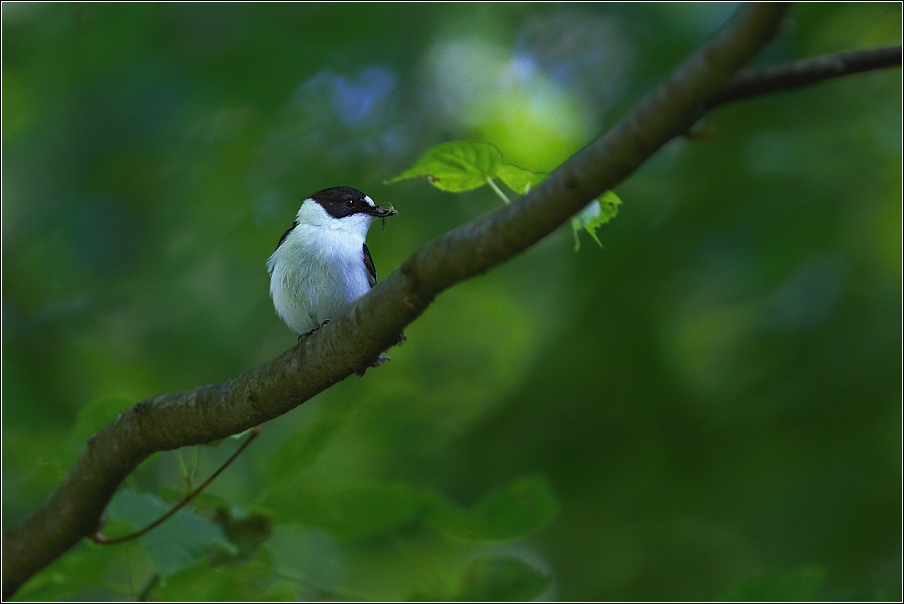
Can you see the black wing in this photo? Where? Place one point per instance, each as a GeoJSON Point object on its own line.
{"type": "Point", "coordinates": [369, 265]}
{"type": "Point", "coordinates": [286, 234]}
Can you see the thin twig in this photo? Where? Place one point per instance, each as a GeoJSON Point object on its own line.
{"type": "Point", "coordinates": [797, 74]}
{"type": "Point", "coordinates": [99, 538]}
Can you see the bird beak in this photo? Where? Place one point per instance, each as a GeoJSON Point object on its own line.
{"type": "Point", "coordinates": [381, 212]}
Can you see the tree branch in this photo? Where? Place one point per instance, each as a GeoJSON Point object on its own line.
{"type": "Point", "coordinates": [372, 324]}
{"type": "Point", "coordinates": [788, 76]}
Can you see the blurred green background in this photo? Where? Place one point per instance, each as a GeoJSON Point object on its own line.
{"type": "Point", "coordinates": [708, 407]}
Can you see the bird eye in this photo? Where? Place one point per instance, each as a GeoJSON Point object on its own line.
{"type": "Point", "coordinates": [349, 202]}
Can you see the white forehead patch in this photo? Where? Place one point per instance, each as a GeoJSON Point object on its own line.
{"type": "Point", "coordinates": [370, 201]}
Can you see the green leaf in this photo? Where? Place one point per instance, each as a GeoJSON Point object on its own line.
{"type": "Point", "coordinates": [307, 554]}
{"type": "Point", "coordinates": [456, 166]}
{"type": "Point", "coordinates": [597, 213]}
{"type": "Point", "coordinates": [353, 513]}
{"type": "Point", "coordinates": [250, 582]}
{"type": "Point", "coordinates": [246, 531]}
{"type": "Point", "coordinates": [301, 450]}
{"type": "Point", "coordinates": [502, 579]}
{"type": "Point", "coordinates": [516, 510]}
{"type": "Point", "coordinates": [179, 542]}
{"type": "Point", "coordinates": [518, 179]}
{"type": "Point", "coordinates": [82, 568]}
{"type": "Point", "coordinates": [800, 585]}
{"type": "Point", "coordinates": [94, 416]}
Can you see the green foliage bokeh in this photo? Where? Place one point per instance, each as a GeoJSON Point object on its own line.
{"type": "Point", "coordinates": [708, 407]}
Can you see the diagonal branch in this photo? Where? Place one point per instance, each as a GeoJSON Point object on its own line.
{"type": "Point", "coordinates": [373, 322]}
{"type": "Point", "coordinates": [788, 76]}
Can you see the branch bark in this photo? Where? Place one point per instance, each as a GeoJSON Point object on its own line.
{"type": "Point", "coordinates": [372, 323]}
{"type": "Point", "coordinates": [788, 76]}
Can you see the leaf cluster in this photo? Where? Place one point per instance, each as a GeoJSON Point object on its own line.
{"type": "Point", "coordinates": [213, 541]}
{"type": "Point", "coordinates": [459, 166]}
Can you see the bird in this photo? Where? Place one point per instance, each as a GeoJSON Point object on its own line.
{"type": "Point", "coordinates": [321, 263]}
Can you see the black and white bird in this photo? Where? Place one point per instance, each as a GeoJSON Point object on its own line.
{"type": "Point", "coordinates": [321, 264]}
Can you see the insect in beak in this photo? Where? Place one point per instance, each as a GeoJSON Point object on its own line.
{"type": "Point", "coordinates": [391, 212]}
